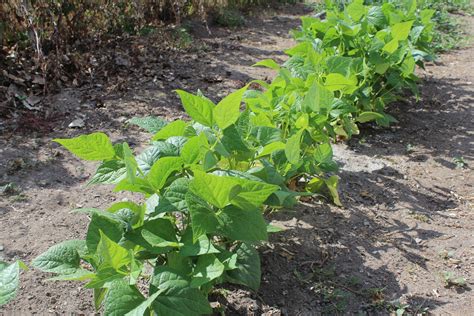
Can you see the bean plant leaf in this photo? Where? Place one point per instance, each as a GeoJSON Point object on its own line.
{"type": "Point", "coordinates": [9, 280]}
{"type": "Point", "coordinates": [219, 191]}
{"type": "Point", "coordinates": [175, 128]}
{"type": "Point", "coordinates": [242, 224]}
{"type": "Point", "coordinates": [151, 124]}
{"type": "Point", "coordinates": [293, 148]}
{"type": "Point", "coordinates": [62, 258]}
{"type": "Point", "coordinates": [227, 110]}
{"type": "Point", "coordinates": [400, 31]}
{"type": "Point", "coordinates": [95, 146]}
{"type": "Point", "coordinates": [208, 268]}
{"type": "Point", "coordinates": [318, 97]}
{"type": "Point", "coordinates": [141, 309]}
{"type": "Point", "coordinates": [121, 299]}
{"type": "Point", "coordinates": [111, 254]}
{"type": "Point", "coordinates": [162, 169]}
{"type": "Point", "coordinates": [203, 217]}
{"type": "Point", "coordinates": [109, 172]}
{"type": "Point", "coordinates": [248, 271]}
{"type": "Point", "coordinates": [149, 156]}
{"type": "Point", "coordinates": [194, 149]}
{"type": "Point", "coordinates": [177, 297]}
{"type": "Point", "coordinates": [199, 108]}
{"type": "Point", "coordinates": [368, 116]}
{"type": "Point", "coordinates": [269, 63]}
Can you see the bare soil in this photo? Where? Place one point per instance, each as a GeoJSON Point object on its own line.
{"type": "Point", "coordinates": [407, 215]}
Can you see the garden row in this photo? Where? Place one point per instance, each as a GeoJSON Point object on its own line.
{"type": "Point", "coordinates": [208, 182]}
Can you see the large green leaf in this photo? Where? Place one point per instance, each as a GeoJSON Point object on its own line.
{"type": "Point", "coordinates": [121, 299]}
{"type": "Point", "coordinates": [337, 82]}
{"type": "Point", "coordinates": [177, 297]}
{"type": "Point", "coordinates": [159, 233]}
{"type": "Point", "coordinates": [149, 156]}
{"type": "Point", "coordinates": [95, 146]}
{"type": "Point", "coordinates": [194, 149]}
{"type": "Point", "coordinates": [199, 108]}
{"type": "Point", "coordinates": [208, 268]}
{"type": "Point", "coordinates": [400, 31]}
{"type": "Point", "coordinates": [253, 193]}
{"type": "Point", "coordinates": [162, 169]}
{"type": "Point", "coordinates": [243, 224]}
{"type": "Point", "coordinates": [112, 225]}
{"type": "Point", "coordinates": [248, 271]}
{"type": "Point", "coordinates": [218, 191]}
{"type": "Point", "coordinates": [109, 172]}
{"type": "Point", "coordinates": [293, 148]}
{"type": "Point", "coordinates": [62, 258]}
{"type": "Point", "coordinates": [151, 124]}
{"type": "Point", "coordinates": [175, 128]}
{"type": "Point", "coordinates": [203, 218]}
{"type": "Point", "coordinates": [111, 254]}
{"type": "Point", "coordinates": [227, 110]}
{"type": "Point", "coordinates": [201, 246]}
{"type": "Point", "coordinates": [317, 98]}
{"type": "Point", "coordinates": [9, 279]}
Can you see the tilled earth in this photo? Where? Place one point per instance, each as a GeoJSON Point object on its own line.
{"type": "Point", "coordinates": [407, 190]}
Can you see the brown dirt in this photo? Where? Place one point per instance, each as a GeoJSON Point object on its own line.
{"type": "Point", "coordinates": [408, 210]}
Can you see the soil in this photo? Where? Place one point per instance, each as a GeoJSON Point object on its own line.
{"type": "Point", "coordinates": [407, 216]}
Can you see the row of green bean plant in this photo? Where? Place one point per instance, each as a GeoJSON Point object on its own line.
{"type": "Point", "coordinates": [366, 55]}
{"type": "Point", "coordinates": [207, 182]}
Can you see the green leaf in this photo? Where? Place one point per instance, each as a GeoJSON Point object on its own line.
{"type": "Point", "coordinates": [111, 254]}
{"type": "Point", "coordinates": [95, 146]}
{"type": "Point", "coordinates": [391, 46]}
{"type": "Point", "coordinates": [269, 63]}
{"type": "Point", "coordinates": [159, 233]}
{"type": "Point", "coordinates": [141, 309]}
{"type": "Point", "coordinates": [323, 153]}
{"type": "Point", "coordinates": [151, 124]}
{"type": "Point", "coordinates": [400, 31]}
{"type": "Point", "coordinates": [331, 184]}
{"type": "Point", "coordinates": [356, 11]}
{"type": "Point", "coordinates": [368, 116]}
{"type": "Point", "coordinates": [149, 156]}
{"type": "Point", "coordinates": [177, 298]}
{"type": "Point", "coordinates": [227, 110]}
{"type": "Point", "coordinates": [62, 258]}
{"type": "Point", "coordinates": [232, 140]}
{"type": "Point", "coordinates": [253, 192]}
{"type": "Point", "coordinates": [130, 163]}
{"type": "Point", "coordinates": [218, 191]}
{"type": "Point", "coordinates": [248, 271]}
{"type": "Point", "coordinates": [201, 246]}
{"type": "Point", "coordinates": [208, 268]}
{"type": "Point", "coordinates": [203, 218]}
{"type": "Point", "coordinates": [109, 172]}
{"type": "Point", "coordinates": [375, 16]}
{"type": "Point", "coordinates": [266, 135]}
{"type": "Point", "coordinates": [175, 128]}
{"type": "Point", "coordinates": [162, 169]}
{"type": "Point", "coordinates": [122, 298]}
{"type": "Point", "coordinates": [243, 225]}
{"type": "Point", "coordinates": [109, 223]}
{"type": "Point", "coordinates": [199, 108]}
{"type": "Point", "coordinates": [335, 82]}
{"type": "Point", "coordinates": [317, 97]}
{"type": "Point", "coordinates": [270, 148]}
{"type": "Point", "coordinates": [9, 279]}
{"type": "Point", "coordinates": [194, 149]}
{"type": "Point", "coordinates": [293, 148]}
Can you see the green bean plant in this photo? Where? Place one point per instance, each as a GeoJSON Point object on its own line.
{"type": "Point", "coordinates": [366, 55]}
